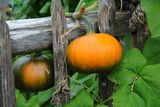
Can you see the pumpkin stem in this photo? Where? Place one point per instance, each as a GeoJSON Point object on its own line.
{"type": "Point", "coordinates": [89, 26]}
{"type": "Point", "coordinates": [80, 14]}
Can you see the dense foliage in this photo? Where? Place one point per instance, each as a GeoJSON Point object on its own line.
{"type": "Point", "coordinates": [136, 77]}
{"type": "Point", "coordinates": [30, 8]}
{"type": "Point", "coordinates": [41, 8]}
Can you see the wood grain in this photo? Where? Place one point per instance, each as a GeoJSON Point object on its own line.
{"type": "Point", "coordinates": [7, 92]}
{"type": "Point", "coordinates": [35, 34]}
{"type": "Point", "coordinates": [59, 27]}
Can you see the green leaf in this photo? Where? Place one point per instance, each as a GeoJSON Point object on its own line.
{"type": "Point", "coordinates": [45, 8]}
{"type": "Point", "coordinates": [152, 50]}
{"type": "Point", "coordinates": [79, 81]}
{"type": "Point", "coordinates": [92, 81]}
{"type": "Point", "coordinates": [20, 99]}
{"type": "Point", "coordinates": [75, 88]}
{"type": "Point", "coordinates": [47, 104]}
{"type": "Point", "coordinates": [131, 64]}
{"type": "Point", "coordinates": [127, 41]}
{"type": "Point", "coordinates": [143, 91]}
{"type": "Point", "coordinates": [123, 76]}
{"type": "Point", "coordinates": [66, 5]}
{"type": "Point", "coordinates": [139, 84]}
{"type": "Point", "coordinates": [125, 97]}
{"type": "Point", "coordinates": [133, 60]}
{"type": "Point", "coordinates": [99, 105]}
{"type": "Point", "coordinates": [83, 99]}
{"type": "Point", "coordinates": [146, 92]}
{"type": "Point", "coordinates": [148, 85]}
{"type": "Point", "coordinates": [86, 78]}
{"type": "Point", "coordinates": [33, 102]}
{"type": "Point", "coordinates": [44, 96]}
{"type": "Point", "coordinates": [150, 75]}
{"type": "Point", "coordinates": [32, 2]}
{"type": "Point", "coordinates": [75, 76]}
{"type": "Point", "coordinates": [151, 8]}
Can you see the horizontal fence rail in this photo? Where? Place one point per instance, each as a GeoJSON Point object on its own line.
{"type": "Point", "coordinates": [35, 34]}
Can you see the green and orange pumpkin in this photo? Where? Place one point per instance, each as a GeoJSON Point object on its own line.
{"type": "Point", "coordinates": [33, 73]}
{"type": "Point", "coordinates": [93, 53]}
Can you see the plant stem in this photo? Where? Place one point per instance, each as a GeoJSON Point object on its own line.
{"type": "Point", "coordinates": [85, 86]}
{"type": "Point", "coordinates": [70, 30]}
{"type": "Point", "coordinates": [68, 14]}
{"type": "Point", "coordinates": [81, 12]}
{"type": "Point", "coordinates": [88, 23]}
{"type": "Point", "coordinates": [121, 5]}
{"type": "Point", "coordinates": [77, 15]}
{"type": "Point", "coordinates": [133, 83]}
{"type": "Point", "coordinates": [92, 7]}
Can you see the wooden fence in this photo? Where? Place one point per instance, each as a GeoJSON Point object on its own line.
{"type": "Point", "coordinates": [27, 35]}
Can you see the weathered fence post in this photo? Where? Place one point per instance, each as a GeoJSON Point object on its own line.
{"type": "Point", "coordinates": [59, 26]}
{"type": "Point", "coordinates": [139, 28]}
{"type": "Point", "coordinates": [106, 16]}
{"type": "Point", "coordinates": [7, 92]}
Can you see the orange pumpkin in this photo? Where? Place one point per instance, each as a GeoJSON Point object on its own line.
{"type": "Point", "coordinates": [93, 53]}
{"type": "Point", "coordinates": [33, 73]}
